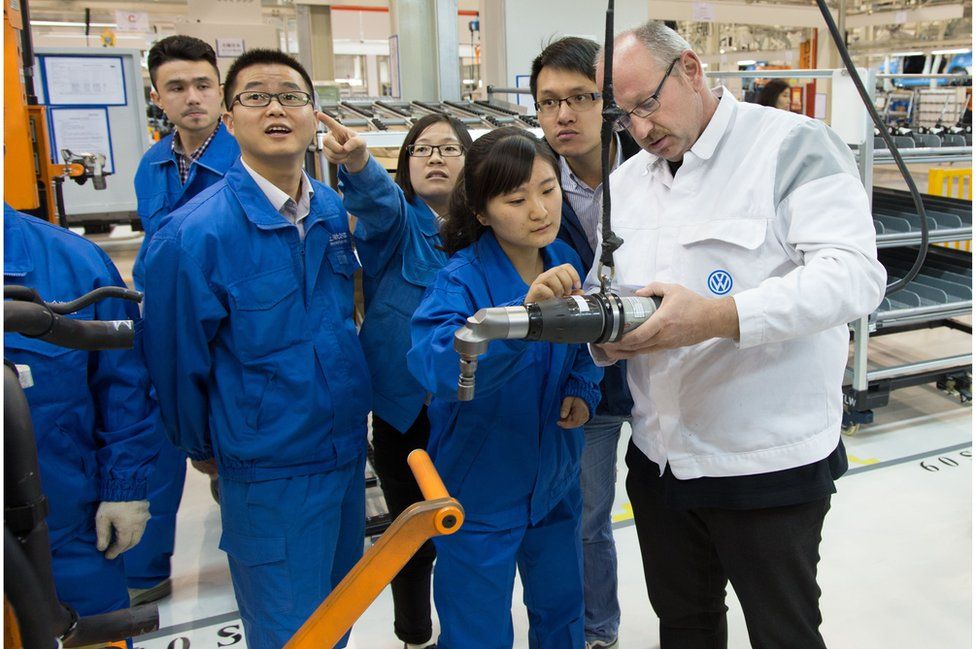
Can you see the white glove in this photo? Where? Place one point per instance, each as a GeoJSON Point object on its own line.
{"type": "Point", "coordinates": [128, 519]}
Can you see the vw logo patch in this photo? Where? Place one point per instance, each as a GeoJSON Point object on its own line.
{"type": "Point", "coordinates": [719, 282]}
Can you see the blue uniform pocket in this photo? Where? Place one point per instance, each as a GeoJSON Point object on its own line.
{"type": "Point", "coordinates": [341, 256]}
{"type": "Point", "coordinates": [419, 273]}
{"type": "Point", "coordinates": [256, 385]}
{"type": "Point", "coordinates": [268, 314]}
{"type": "Point", "coordinates": [259, 570]}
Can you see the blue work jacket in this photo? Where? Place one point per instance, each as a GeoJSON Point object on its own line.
{"type": "Point", "coordinates": [159, 190]}
{"type": "Point", "coordinates": [397, 242]}
{"type": "Point", "coordinates": [94, 420]}
{"type": "Point", "coordinates": [502, 454]}
{"type": "Point", "coordinates": [250, 338]}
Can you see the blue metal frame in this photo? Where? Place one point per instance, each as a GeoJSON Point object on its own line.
{"type": "Point", "coordinates": [55, 151]}
{"type": "Point", "coordinates": [42, 60]}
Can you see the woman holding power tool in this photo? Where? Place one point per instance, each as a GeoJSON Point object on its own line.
{"type": "Point", "coordinates": [510, 456]}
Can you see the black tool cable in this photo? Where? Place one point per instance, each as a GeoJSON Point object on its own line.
{"type": "Point", "coordinates": [896, 156]}
{"type": "Point", "coordinates": [611, 113]}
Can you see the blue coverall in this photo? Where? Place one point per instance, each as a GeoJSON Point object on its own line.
{"type": "Point", "coordinates": [504, 458]}
{"type": "Point", "coordinates": [94, 419]}
{"type": "Point", "coordinates": [398, 243]}
{"type": "Point", "coordinates": [159, 191]}
{"type": "Point", "coordinates": [254, 355]}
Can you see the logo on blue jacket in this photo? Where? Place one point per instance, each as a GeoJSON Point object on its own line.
{"type": "Point", "coordinates": [719, 282]}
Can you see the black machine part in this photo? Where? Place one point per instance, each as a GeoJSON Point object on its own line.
{"type": "Point", "coordinates": [595, 318]}
{"type": "Point", "coordinates": [28, 577]}
{"type": "Point", "coordinates": [26, 314]}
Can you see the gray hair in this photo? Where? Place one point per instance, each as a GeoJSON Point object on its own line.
{"type": "Point", "coordinates": [663, 43]}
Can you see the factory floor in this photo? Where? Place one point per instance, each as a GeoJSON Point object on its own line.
{"type": "Point", "coordinates": [896, 567]}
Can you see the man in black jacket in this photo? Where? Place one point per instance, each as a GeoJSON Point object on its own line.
{"type": "Point", "coordinates": [569, 105]}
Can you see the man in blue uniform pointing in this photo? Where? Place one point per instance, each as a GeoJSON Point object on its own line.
{"type": "Point", "coordinates": [254, 354]}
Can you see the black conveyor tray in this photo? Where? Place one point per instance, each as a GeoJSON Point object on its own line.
{"type": "Point", "coordinates": [896, 221]}
{"type": "Point", "coordinates": [942, 289]}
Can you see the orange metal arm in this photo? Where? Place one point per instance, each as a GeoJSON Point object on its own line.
{"type": "Point", "coordinates": [431, 485]}
{"type": "Point", "coordinates": [439, 514]}
{"type": "Point", "coordinates": [65, 170]}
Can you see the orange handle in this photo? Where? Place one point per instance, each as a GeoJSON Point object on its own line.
{"type": "Point", "coordinates": [426, 475]}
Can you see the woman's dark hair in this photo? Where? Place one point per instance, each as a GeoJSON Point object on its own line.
{"type": "Point", "coordinates": [497, 163]}
{"type": "Point", "coordinates": [771, 91]}
{"type": "Point", "coordinates": [402, 177]}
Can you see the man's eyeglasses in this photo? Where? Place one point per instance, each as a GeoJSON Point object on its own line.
{"type": "Point", "coordinates": [289, 99]}
{"type": "Point", "coordinates": [427, 150]}
{"type": "Point", "coordinates": [647, 107]}
{"type": "Point", "coordinates": [579, 103]}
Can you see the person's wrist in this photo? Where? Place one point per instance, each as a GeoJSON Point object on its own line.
{"type": "Point", "coordinates": [725, 318]}
{"type": "Point", "coordinates": [357, 163]}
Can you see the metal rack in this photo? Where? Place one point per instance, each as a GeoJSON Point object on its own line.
{"type": "Point", "coordinates": [937, 297]}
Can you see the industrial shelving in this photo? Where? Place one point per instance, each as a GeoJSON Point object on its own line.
{"type": "Point", "coordinates": [941, 294]}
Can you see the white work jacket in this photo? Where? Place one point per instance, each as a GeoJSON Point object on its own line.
{"type": "Point", "coordinates": [767, 207]}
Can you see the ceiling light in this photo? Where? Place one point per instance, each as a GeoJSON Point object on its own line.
{"type": "Point", "coordinates": [907, 53]}
{"type": "Point", "coordinates": [745, 62]}
{"type": "Point", "coordinates": [958, 50]}
{"type": "Point", "coordinates": [57, 23]}
{"type": "Point", "coordinates": [81, 35]}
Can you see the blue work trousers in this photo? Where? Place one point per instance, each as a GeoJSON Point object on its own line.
{"type": "Point", "coordinates": [289, 543]}
{"type": "Point", "coordinates": [149, 563]}
{"type": "Point", "coordinates": [85, 579]}
{"type": "Point", "coordinates": [475, 574]}
{"type": "Point", "coordinates": [598, 477]}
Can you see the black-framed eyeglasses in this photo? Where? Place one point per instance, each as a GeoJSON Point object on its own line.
{"type": "Point", "coordinates": [288, 99]}
{"type": "Point", "coordinates": [647, 107]}
{"type": "Point", "coordinates": [427, 150]}
{"type": "Point", "coordinates": [579, 103]}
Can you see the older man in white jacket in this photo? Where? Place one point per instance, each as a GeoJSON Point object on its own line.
{"type": "Point", "coordinates": [753, 226]}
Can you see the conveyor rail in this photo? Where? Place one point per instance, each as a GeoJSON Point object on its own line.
{"type": "Point", "coordinates": [527, 119]}
{"type": "Point", "coordinates": [400, 108]}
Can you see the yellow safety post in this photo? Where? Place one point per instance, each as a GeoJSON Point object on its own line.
{"type": "Point", "coordinates": [952, 183]}
{"type": "Point", "coordinates": [438, 514]}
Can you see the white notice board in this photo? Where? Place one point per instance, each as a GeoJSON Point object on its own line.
{"type": "Point", "coordinates": [230, 48]}
{"type": "Point", "coordinates": [83, 80]}
{"type": "Point", "coordinates": [123, 140]}
{"type": "Point", "coordinates": [82, 130]}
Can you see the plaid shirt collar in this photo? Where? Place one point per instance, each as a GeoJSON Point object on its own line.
{"type": "Point", "coordinates": [183, 161]}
